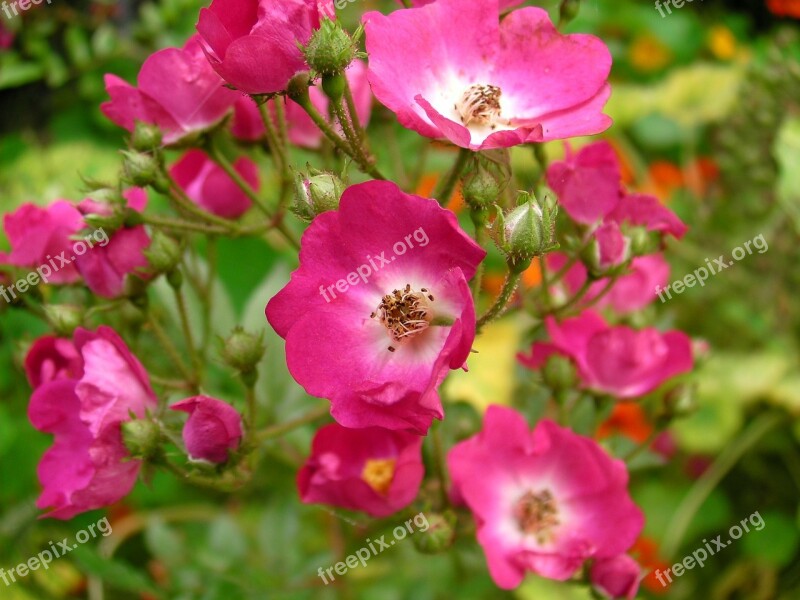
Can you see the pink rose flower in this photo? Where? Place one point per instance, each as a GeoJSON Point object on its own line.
{"type": "Point", "coordinates": [41, 235]}
{"type": "Point", "coordinates": [237, 35]}
{"type": "Point", "coordinates": [372, 469]}
{"type": "Point", "coordinates": [6, 37]}
{"type": "Point", "coordinates": [105, 266]}
{"type": "Point", "coordinates": [543, 501]}
{"type": "Point", "coordinates": [612, 248]}
{"type": "Point", "coordinates": [379, 310]}
{"type": "Point", "coordinates": [88, 466]}
{"type": "Point", "coordinates": [214, 428]}
{"type": "Point", "coordinates": [51, 358]}
{"type": "Point", "coordinates": [178, 92]}
{"type": "Point", "coordinates": [248, 124]}
{"type": "Point", "coordinates": [619, 361]}
{"type": "Point", "coordinates": [616, 577]}
{"type": "Point", "coordinates": [504, 4]}
{"type": "Point", "coordinates": [208, 186]}
{"type": "Point", "coordinates": [589, 188]}
{"type": "Point", "coordinates": [481, 83]}
{"type": "Point", "coordinates": [632, 291]}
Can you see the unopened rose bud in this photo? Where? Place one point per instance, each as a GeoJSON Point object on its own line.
{"type": "Point", "coordinates": [243, 350]}
{"type": "Point", "coordinates": [439, 535]}
{"type": "Point", "coordinates": [297, 89]}
{"type": "Point", "coordinates": [330, 49]}
{"type": "Point", "coordinates": [487, 176]}
{"type": "Point", "coordinates": [146, 137]}
{"type": "Point", "coordinates": [163, 254]}
{"type": "Point", "coordinates": [608, 249]}
{"type": "Point", "coordinates": [316, 193]}
{"type": "Point", "coordinates": [213, 429]}
{"type": "Point", "coordinates": [141, 438]}
{"type": "Point", "coordinates": [527, 231]}
{"type": "Point", "coordinates": [64, 318]}
{"type": "Point", "coordinates": [140, 169]}
{"type": "Point", "coordinates": [559, 373]}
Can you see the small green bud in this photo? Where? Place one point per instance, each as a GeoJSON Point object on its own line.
{"type": "Point", "coordinates": [146, 137]}
{"type": "Point", "coordinates": [487, 176]}
{"type": "Point", "coordinates": [439, 535]}
{"type": "Point", "coordinates": [141, 438]}
{"type": "Point", "coordinates": [140, 169]}
{"type": "Point", "coordinates": [643, 242]}
{"type": "Point", "coordinates": [243, 350]}
{"type": "Point", "coordinates": [333, 86]}
{"type": "Point", "coordinates": [64, 318]}
{"type": "Point", "coordinates": [175, 279]}
{"type": "Point", "coordinates": [164, 253]}
{"type": "Point", "coordinates": [559, 373]}
{"type": "Point", "coordinates": [568, 10]}
{"type": "Point", "coordinates": [297, 89]}
{"type": "Point", "coordinates": [330, 49]}
{"type": "Point", "coordinates": [316, 192]}
{"type": "Point", "coordinates": [527, 231]}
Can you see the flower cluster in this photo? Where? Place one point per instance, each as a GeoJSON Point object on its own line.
{"type": "Point", "coordinates": [478, 76]}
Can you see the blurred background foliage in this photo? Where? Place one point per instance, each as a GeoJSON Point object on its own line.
{"type": "Point", "coordinates": [705, 103]}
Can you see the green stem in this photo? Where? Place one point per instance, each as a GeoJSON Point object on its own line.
{"type": "Point", "coordinates": [447, 183]}
{"type": "Point", "coordinates": [351, 109]}
{"type": "Point", "coordinates": [183, 313]}
{"type": "Point", "coordinates": [171, 350]}
{"type": "Point", "coordinates": [480, 239]}
{"type": "Point", "coordinates": [502, 300]}
{"type": "Point", "coordinates": [439, 463]}
{"type": "Point", "coordinates": [273, 138]}
{"type": "Point", "coordinates": [281, 428]}
{"type": "Point", "coordinates": [181, 225]}
{"type": "Point", "coordinates": [709, 480]}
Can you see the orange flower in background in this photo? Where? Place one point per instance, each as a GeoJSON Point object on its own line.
{"type": "Point", "coordinates": [645, 550]}
{"type": "Point", "coordinates": [647, 53]}
{"type": "Point", "coordinates": [628, 419]}
{"type": "Point", "coordinates": [784, 8]}
{"type": "Point", "coordinates": [722, 42]}
{"type": "Point", "coordinates": [663, 178]}
{"type": "Point", "coordinates": [428, 182]}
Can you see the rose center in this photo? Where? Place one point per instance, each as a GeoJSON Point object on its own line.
{"type": "Point", "coordinates": [480, 104]}
{"type": "Point", "coordinates": [378, 474]}
{"type": "Point", "coordinates": [405, 313]}
{"type": "Point", "coordinates": [536, 514]}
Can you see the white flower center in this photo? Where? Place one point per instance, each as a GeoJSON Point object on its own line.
{"type": "Point", "coordinates": [537, 514]}
{"type": "Point", "coordinates": [405, 313]}
{"type": "Point", "coordinates": [480, 105]}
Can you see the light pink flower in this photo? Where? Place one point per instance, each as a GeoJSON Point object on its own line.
{"type": "Point", "coordinates": [619, 361]}
{"type": "Point", "coordinates": [51, 358]}
{"type": "Point", "coordinates": [177, 91]}
{"type": "Point", "coordinates": [543, 501]}
{"type": "Point", "coordinates": [249, 126]}
{"type": "Point", "coordinates": [383, 250]}
{"type": "Point", "coordinates": [39, 235]}
{"type": "Point", "coordinates": [88, 466]}
{"type": "Point", "coordinates": [372, 469]}
{"type": "Point", "coordinates": [612, 248]}
{"type": "Point", "coordinates": [214, 428]}
{"type": "Point", "coordinates": [616, 577]}
{"type": "Point", "coordinates": [253, 44]}
{"type": "Point", "coordinates": [648, 212]}
{"type": "Point", "coordinates": [105, 267]}
{"type": "Point", "coordinates": [481, 83]}
{"type": "Point", "coordinates": [209, 186]}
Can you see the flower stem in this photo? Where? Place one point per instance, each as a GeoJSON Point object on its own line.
{"type": "Point", "coordinates": [183, 313]}
{"type": "Point", "coordinates": [509, 285]}
{"type": "Point", "coordinates": [281, 428]}
{"type": "Point", "coordinates": [447, 183]}
{"type": "Point", "coordinates": [171, 350]}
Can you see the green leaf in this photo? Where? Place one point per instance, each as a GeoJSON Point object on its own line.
{"type": "Point", "coordinates": [115, 573]}
{"type": "Point", "coordinates": [77, 43]}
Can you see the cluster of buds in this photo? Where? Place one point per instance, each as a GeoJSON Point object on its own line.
{"type": "Point", "coordinates": [527, 231]}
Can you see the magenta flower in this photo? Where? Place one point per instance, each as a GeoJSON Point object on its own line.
{"type": "Point", "coordinates": [88, 466]}
{"type": "Point", "coordinates": [372, 469]}
{"type": "Point", "coordinates": [41, 235]}
{"type": "Point", "coordinates": [543, 501]}
{"type": "Point", "coordinates": [249, 126]}
{"type": "Point", "coordinates": [237, 36]}
{"type": "Point", "coordinates": [481, 83]}
{"type": "Point", "coordinates": [611, 247]}
{"type": "Point", "coordinates": [589, 188]}
{"type": "Point", "coordinates": [209, 186]}
{"type": "Point", "coordinates": [379, 310]}
{"type": "Point", "coordinates": [108, 262]}
{"type": "Point", "coordinates": [631, 292]}
{"type": "Point", "coordinates": [177, 91]}
{"type": "Point", "coordinates": [616, 577]}
{"type": "Point", "coordinates": [504, 4]}
{"type": "Point", "coordinates": [214, 428]}
{"type": "Point", "coordinates": [51, 358]}
{"type": "Point", "coordinates": [588, 183]}
{"type": "Point", "coordinates": [619, 361]}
